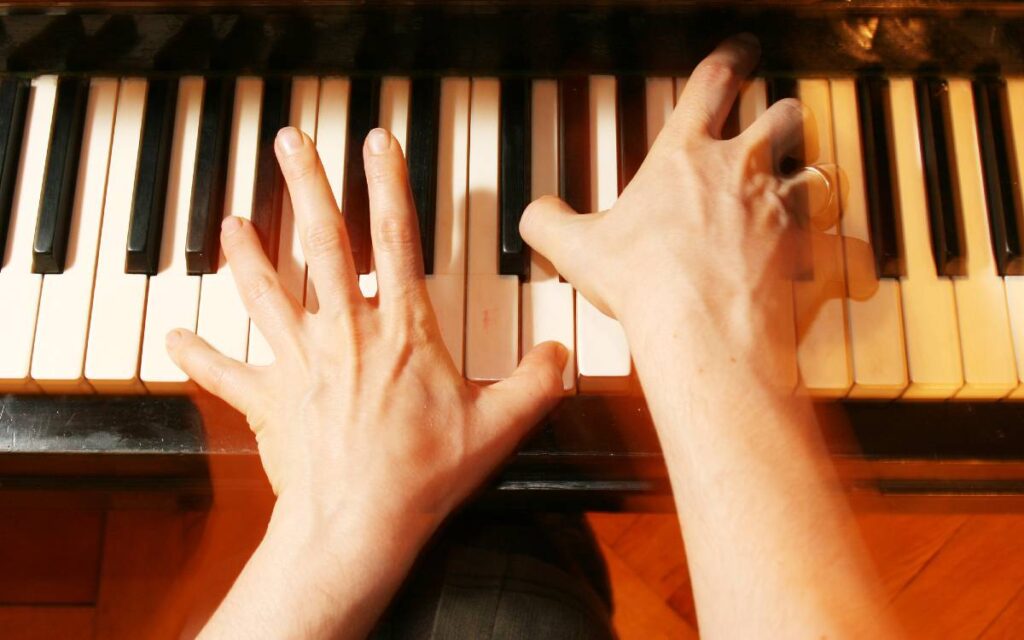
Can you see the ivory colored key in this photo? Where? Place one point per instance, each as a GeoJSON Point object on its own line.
{"type": "Point", "coordinates": [58, 358]}
{"type": "Point", "coordinates": [447, 284]}
{"type": "Point", "coordinates": [661, 101]}
{"type": "Point", "coordinates": [492, 300]}
{"type": "Point", "coordinates": [929, 306]}
{"type": "Point", "coordinates": [291, 265]}
{"type": "Point", "coordinates": [990, 371]}
{"type": "Point", "coordinates": [602, 354]}
{"type": "Point", "coordinates": [173, 298]}
{"type": "Point", "coordinates": [223, 320]}
{"type": "Point", "coordinates": [1015, 284]}
{"type": "Point", "coordinates": [547, 312]}
{"type": "Point", "coordinates": [394, 116]}
{"type": "Point", "coordinates": [819, 304]}
{"type": "Point", "coordinates": [19, 287]}
{"type": "Point", "coordinates": [331, 137]}
{"type": "Point", "coordinates": [873, 309]}
{"type": "Point", "coordinates": [119, 298]}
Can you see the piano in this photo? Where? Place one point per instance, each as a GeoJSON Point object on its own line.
{"type": "Point", "coordinates": [129, 129]}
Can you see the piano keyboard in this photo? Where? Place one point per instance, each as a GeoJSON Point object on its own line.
{"type": "Point", "coordinates": [112, 192]}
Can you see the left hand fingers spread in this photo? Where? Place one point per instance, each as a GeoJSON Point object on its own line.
{"type": "Point", "coordinates": [393, 224]}
{"type": "Point", "coordinates": [271, 308]}
{"type": "Point", "coordinates": [222, 376]}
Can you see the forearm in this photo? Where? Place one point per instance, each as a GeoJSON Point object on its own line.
{"type": "Point", "coordinates": [307, 580]}
{"type": "Point", "coordinates": [772, 547]}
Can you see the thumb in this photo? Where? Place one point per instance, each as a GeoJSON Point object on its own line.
{"type": "Point", "coordinates": [518, 402]}
{"type": "Point", "coordinates": [552, 228]}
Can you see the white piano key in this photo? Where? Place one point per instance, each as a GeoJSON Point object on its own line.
{"type": "Point", "coordinates": [119, 298]}
{"type": "Point", "coordinates": [547, 303]}
{"type": "Point", "coordinates": [602, 354]}
{"type": "Point", "coordinates": [990, 371]}
{"type": "Point", "coordinates": [331, 137]}
{"type": "Point", "coordinates": [492, 300]}
{"type": "Point", "coordinates": [58, 359]}
{"type": "Point", "coordinates": [291, 265]}
{"type": "Point", "coordinates": [223, 320]}
{"type": "Point", "coordinates": [661, 100]}
{"type": "Point", "coordinates": [822, 351]}
{"type": "Point", "coordinates": [173, 298]}
{"type": "Point", "coordinates": [875, 322]}
{"type": "Point", "coordinates": [19, 287]}
{"type": "Point", "coordinates": [929, 307]}
{"type": "Point", "coordinates": [1015, 284]}
{"type": "Point", "coordinates": [447, 284]}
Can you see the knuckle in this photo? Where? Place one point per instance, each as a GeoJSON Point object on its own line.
{"type": "Point", "coordinates": [299, 168]}
{"type": "Point", "coordinates": [258, 287]}
{"type": "Point", "coordinates": [322, 240]}
{"type": "Point", "coordinates": [394, 234]}
{"type": "Point", "coordinates": [715, 71]}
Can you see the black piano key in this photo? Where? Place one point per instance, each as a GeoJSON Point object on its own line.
{"type": "Point", "coordinates": [514, 187]}
{"type": "Point", "coordinates": [363, 114]}
{"type": "Point", "coordinates": [999, 169]}
{"type": "Point", "coordinates": [268, 191]}
{"type": "Point", "coordinates": [13, 105]}
{"type": "Point", "coordinates": [631, 113]}
{"type": "Point", "coordinates": [206, 209]}
{"type": "Point", "coordinates": [147, 217]}
{"type": "Point", "coordinates": [574, 142]}
{"type": "Point", "coordinates": [881, 189]}
{"type": "Point", "coordinates": [942, 187]}
{"type": "Point", "coordinates": [424, 121]}
{"type": "Point", "coordinates": [49, 248]}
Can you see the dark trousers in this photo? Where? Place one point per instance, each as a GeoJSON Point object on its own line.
{"type": "Point", "coordinates": [505, 577]}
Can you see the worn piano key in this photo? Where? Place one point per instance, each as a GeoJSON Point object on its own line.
{"type": "Point", "coordinates": [514, 185]}
{"type": "Point", "coordinates": [492, 299]}
{"type": "Point", "coordinates": [13, 105]}
{"type": "Point", "coordinates": [223, 320]}
{"type": "Point", "coordinates": [446, 285]}
{"type": "Point", "coordinates": [19, 286]}
{"type": "Point", "coordinates": [290, 263]}
{"type": "Point", "coordinates": [331, 146]}
{"type": "Point", "coordinates": [877, 350]}
{"type": "Point", "coordinates": [54, 222]}
{"type": "Point", "coordinates": [941, 185]}
{"type": "Point", "coordinates": [574, 142]}
{"type": "Point", "coordinates": [999, 165]}
{"type": "Point", "coordinates": [150, 193]}
{"type": "Point", "coordinates": [173, 298]}
{"type": "Point", "coordinates": [603, 359]}
{"type": "Point", "coordinates": [206, 209]}
{"type": "Point", "coordinates": [631, 111]}
{"type": "Point", "coordinates": [363, 113]}
{"type": "Point", "coordinates": [119, 298]}
{"type": "Point", "coordinates": [58, 357]}
{"type": "Point", "coordinates": [990, 371]}
{"type": "Point", "coordinates": [424, 125]}
{"type": "Point", "coordinates": [547, 303]}
{"type": "Point", "coordinates": [929, 306]}
{"type": "Point", "coordinates": [881, 187]}
{"type": "Point", "coordinates": [269, 188]}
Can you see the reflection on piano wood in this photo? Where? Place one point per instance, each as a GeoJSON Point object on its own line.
{"type": "Point", "coordinates": [126, 136]}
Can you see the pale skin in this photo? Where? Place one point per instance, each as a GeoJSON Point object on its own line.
{"type": "Point", "coordinates": [370, 437]}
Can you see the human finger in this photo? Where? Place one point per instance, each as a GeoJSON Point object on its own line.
{"type": "Point", "coordinates": [786, 129]}
{"type": "Point", "coordinates": [224, 377]}
{"type": "Point", "coordinates": [811, 196]}
{"type": "Point", "coordinates": [322, 233]}
{"type": "Point", "coordinates": [394, 228]}
{"type": "Point", "coordinates": [551, 227]}
{"type": "Point", "coordinates": [714, 85]}
{"type": "Point", "coordinates": [273, 310]}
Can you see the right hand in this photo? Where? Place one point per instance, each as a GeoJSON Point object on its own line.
{"type": "Point", "coordinates": [702, 231]}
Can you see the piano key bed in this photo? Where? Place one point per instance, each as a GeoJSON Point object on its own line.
{"type": "Point", "coordinates": [117, 166]}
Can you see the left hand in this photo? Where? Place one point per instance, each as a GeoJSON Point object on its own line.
{"type": "Point", "coordinates": [362, 411]}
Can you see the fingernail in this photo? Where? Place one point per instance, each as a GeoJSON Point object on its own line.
{"type": "Point", "coordinates": [749, 41]}
{"type": "Point", "coordinates": [173, 338]}
{"type": "Point", "coordinates": [378, 141]}
{"type": "Point", "coordinates": [230, 225]}
{"type": "Point", "coordinates": [290, 140]}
